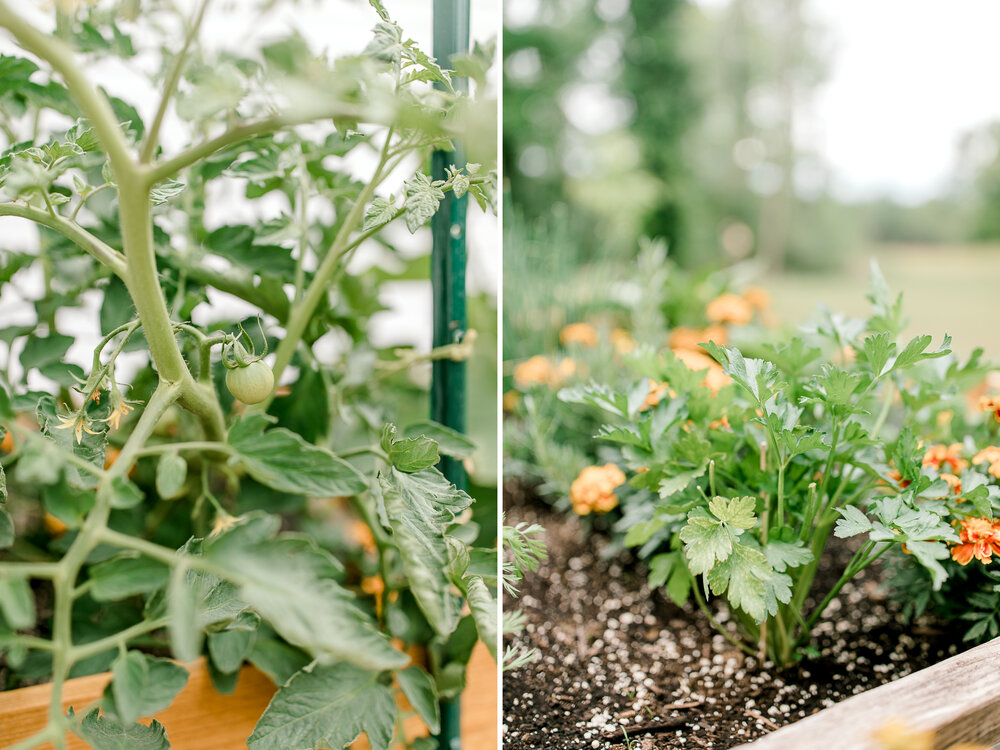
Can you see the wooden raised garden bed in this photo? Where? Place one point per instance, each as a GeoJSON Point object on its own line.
{"type": "Point", "coordinates": [958, 699]}
{"type": "Point", "coordinates": [202, 719]}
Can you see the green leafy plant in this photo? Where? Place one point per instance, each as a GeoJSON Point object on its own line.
{"type": "Point", "coordinates": [145, 511]}
{"type": "Point", "coordinates": [524, 549]}
{"type": "Point", "coordinates": [736, 492]}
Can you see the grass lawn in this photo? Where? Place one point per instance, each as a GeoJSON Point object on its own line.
{"type": "Point", "coordinates": [946, 289]}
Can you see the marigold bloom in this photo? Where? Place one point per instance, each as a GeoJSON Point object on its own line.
{"type": "Point", "coordinates": [594, 489]}
{"type": "Point", "coordinates": [683, 337]}
{"type": "Point", "coordinates": [953, 482]}
{"type": "Point", "coordinates": [720, 424]}
{"type": "Point", "coordinates": [715, 378]}
{"type": "Point", "coordinates": [729, 308]}
{"type": "Point", "coordinates": [656, 393]}
{"type": "Point", "coordinates": [510, 401]}
{"type": "Point", "coordinates": [980, 539]}
{"type": "Point", "coordinates": [622, 340]}
{"type": "Point", "coordinates": [990, 403]}
{"type": "Point", "coordinates": [540, 370]}
{"type": "Point", "coordinates": [7, 445]}
{"type": "Point", "coordinates": [896, 477]}
{"type": "Point", "coordinates": [578, 333]}
{"type": "Point", "coordinates": [990, 455]}
{"type": "Point", "coordinates": [939, 455]}
{"type": "Point", "coordinates": [757, 297]}
{"type": "Point", "coordinates": [566, 369]}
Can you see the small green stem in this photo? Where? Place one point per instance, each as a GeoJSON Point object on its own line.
{"type": "Point", "coordinates": [170, 85]}
{"type": "Point", "coordinates": [716, 624]}
{"type": "Point", "coordinates": [884, 412]}
{"type": "Point", "coordinates": [118, 640]}
{"type": "Point", "coordinates": [373, 450]}
{"type": "Point", "coordinates": [72, 231]}
{"type": "Point", "coordinates": [205, 446]}
{"type": "Point", "coordinates": [47, 571]}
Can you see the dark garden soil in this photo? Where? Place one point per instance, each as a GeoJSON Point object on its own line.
{"type": "Point", "coordinates": [617, 657]}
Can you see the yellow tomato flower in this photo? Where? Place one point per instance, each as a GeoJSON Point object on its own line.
{"type": "Point", "coordinates": [79, 425]}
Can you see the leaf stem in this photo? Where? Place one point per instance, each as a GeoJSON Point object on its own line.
{"type": "Point", "coordinates": [170, 85]}
{"type": "Point", "coordinates": [717, 625]}
{"type": "Point", "coordinates": [71, 231]}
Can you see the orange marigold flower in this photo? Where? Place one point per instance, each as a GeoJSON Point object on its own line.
{"type": "Point", "coordinates": [729, 308]}
{"type": "Point", "coordinates": [510, 401]}
{"type": "Point", "coordinates": [683, 337]}
{"type": "Point", "coordinates": [990, 403]}
{"type": "Point", "coordinates": [594, 489]}
{"type": "Point", "coordinates": [953, 482]}
{"type": "Point", "coordinates": [540, 370]}
{"type": "Point", "coordinates": [565, 369]}
{"type": "Point", "coordinates": [7, 445]}
{"type": "Point", "coordinates": [939, 455]}
{"type": "Point", "coordinates": [990, 455]}
{"type": "Point", "coordinates": [896, 477]}
{"type": "Point", "coordinates": [656, 393]}
{"type": "Point", "coordinates": [720, 424]}
{"type": "Point", "coordinates": [757, 297]}
{"type": "Point", "coordinates": [578, 333]}
{"type": "Point", "coordinates": [980, 539]}
{"type": "Point", "coordinates": [622, 340]}
{"type": "Point", "coordinates": [715, 378]}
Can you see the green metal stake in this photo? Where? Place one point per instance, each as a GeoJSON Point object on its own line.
{"type": "Point", "coordinates": [451, 36]}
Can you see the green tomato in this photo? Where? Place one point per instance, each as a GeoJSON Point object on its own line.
{"type": "Point", "coordinates": [251, 384]}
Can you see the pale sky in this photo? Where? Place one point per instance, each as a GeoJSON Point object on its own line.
{"type": "Point", "coordinates": [906, 80]}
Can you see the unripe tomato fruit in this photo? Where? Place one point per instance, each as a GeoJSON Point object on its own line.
{"type": "Point", "coordinates": [250, 384]}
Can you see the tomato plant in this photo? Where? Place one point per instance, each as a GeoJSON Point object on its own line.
{"type": "Point", "coordinates": [147, 513]}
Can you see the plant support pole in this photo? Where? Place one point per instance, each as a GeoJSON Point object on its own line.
{"type": "Point", "coordinates": [451, 37]}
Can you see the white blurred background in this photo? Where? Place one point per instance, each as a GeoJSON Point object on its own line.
{"type": "Point", "coordinates": [337, 27]}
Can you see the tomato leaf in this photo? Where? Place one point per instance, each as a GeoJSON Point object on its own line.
{"type": "Point", "coordinates": [6, 528]}
{"type": "Point", "coordinates": [282, 583]}
{"type": "Point", "coordinates": [484, 611]}
{"type": "Point", "coordinates": [104, 733]}
{"type": "Point", "coordinates": [284, 461]}
{"type": "Point", "coordinates": [142, 685]}
{"type": "Point", "coordinates": [17, 603]}
{"type": "Point", "coordinates": [327, 707]}
{"type": "Point", "coordinates": [126, 575]}
{"type": "Point", "coordinates": [418, 508]}
{"type": "Point", "coordinates": [419, 689]}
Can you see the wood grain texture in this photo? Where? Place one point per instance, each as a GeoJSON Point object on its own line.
{"type": "Point", "coordinates": [201, 719]}
{"type": "Point", "coordinates": [959, 698]}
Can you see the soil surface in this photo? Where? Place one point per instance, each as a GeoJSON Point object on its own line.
{"type": "Point", "coordinates": [617, 658]}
